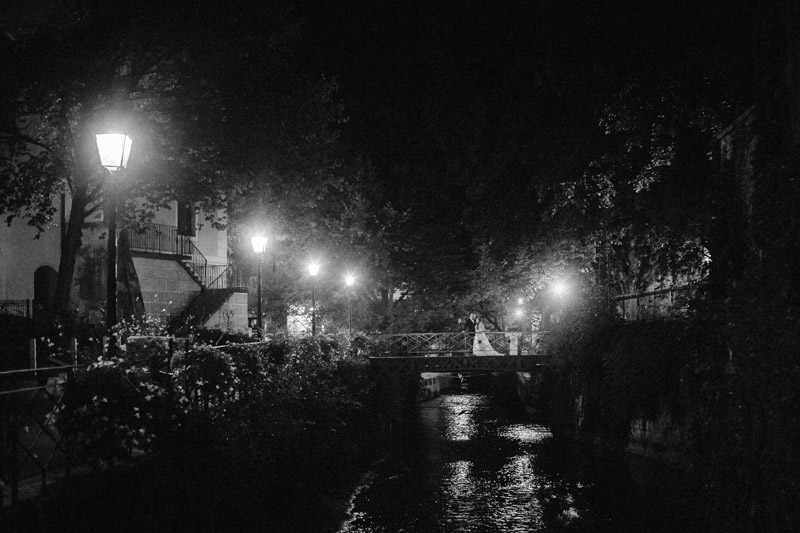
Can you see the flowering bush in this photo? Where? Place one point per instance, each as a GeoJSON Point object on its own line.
{"type": "Point", "coordinates": [109, 409]}
{"type": "Point", "coordinates": [217, 337]}
{"type": "Point", "coordinates": [149, 327]}
{"type": "Point", "coordinates": [55, 338]}
{"type": "Point", "coordinates": [275, 404]}
{"type": "Point", "coordinates": [204, 380]}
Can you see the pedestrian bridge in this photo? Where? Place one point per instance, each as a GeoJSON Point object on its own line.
{"type": "Point", "coordinates": [453, 352]}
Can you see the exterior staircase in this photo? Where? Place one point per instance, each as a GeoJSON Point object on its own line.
{"type": "Point", "coordinates": [217, 282]}
{"type": "Point", "coordinates": [200, 309]}
{"type": "Point", "coordinates": [196, 271]}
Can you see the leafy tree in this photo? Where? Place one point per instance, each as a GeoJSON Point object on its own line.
{"type": "Point", "coordinates": [201, 88]}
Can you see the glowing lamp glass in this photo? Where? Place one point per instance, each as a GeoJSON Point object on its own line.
{"type": "Point", "coordinates": [259, 244]}
{"type": "Point", "coordinates": [114, 149]}
{"type": "Point", "coordinates": [349, 279]}
{"type": "Point", "coordinates": [313, 269]}
{"type": "Point", "coordinates": [560, 288]}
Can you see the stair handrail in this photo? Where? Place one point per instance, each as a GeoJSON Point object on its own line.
{"type": "Point", "coordinates": [198, 260]}
{"type": "Point", "coordinates": [226, 279]}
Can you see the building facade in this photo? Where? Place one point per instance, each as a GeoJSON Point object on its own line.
{"type": "Point", "coordinates": [181, 265]}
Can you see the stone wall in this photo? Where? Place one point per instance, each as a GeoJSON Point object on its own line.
{"type": "Point", "coordinates": [232, 315]}
{"type": "Point", "coordinates": [166, 286]}
{"type": "Point", "coordinates": [664, 440]}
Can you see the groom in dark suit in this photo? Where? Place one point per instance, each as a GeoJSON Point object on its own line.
{"type": "Point", "coordinates": [469, 328]}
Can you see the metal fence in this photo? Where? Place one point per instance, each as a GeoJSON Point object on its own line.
{"type": "Point", "coordinates": [32, 452]}
{"type": "Point", "coordinates": [22, 308]}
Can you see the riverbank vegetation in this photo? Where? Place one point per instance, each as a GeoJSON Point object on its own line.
{"type": "Point", "coordinates": [720, 389]}
{"type": "Point", "coordinates": [239, 437]}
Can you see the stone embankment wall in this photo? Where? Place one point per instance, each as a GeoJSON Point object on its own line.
{"type": "Point", "coordinates": [663, 439]}
{"type": "Point", "coordinates": [434, 383]}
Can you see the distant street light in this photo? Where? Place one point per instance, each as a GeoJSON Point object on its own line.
{"type": "Point", "coordinates": [260, 248]}
{"type": "Point", "coordinates": [560, 288]}
{"type": "Point", "coordinates": [114, 150]}
{"type": "Point", "coordinates": [313, 269]}
{"type": "Point", "coordinates": [349, 279]}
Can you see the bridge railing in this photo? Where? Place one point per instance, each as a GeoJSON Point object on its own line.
{"type": "Point", "coordinates": [461, 343]}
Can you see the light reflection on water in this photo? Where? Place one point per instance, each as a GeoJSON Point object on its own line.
{"type": "Point", "coordinates": [473, 466]}
{"type": "Point", "coordinates": [471, 471]}
{"type": "Point", "coordinates": [525, 433]}
{"type": "Point", "coordinates": [459, 418]}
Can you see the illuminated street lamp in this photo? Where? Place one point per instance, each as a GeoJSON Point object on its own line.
{"type": "Point", "coordinates": [313, 269]}
{"type": "Point", "coordinates": [114, 150]}
{"type": "Point", "coordinates": [560, 288]}
{"type": "Point", "coordinates": [260, 248]}
{"type": "Point", "coordinates": [349, 279]}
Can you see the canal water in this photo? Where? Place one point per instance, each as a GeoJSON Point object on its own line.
{"type": "Point", "coordinates": [477, 464]}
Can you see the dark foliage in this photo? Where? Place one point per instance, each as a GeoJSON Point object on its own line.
{"type": "Point", "coordinates": [728, 385]}
{"type": "Point", "coordinates": [109, 409]}
{"type": "Point", "coordinates": [276, 423]}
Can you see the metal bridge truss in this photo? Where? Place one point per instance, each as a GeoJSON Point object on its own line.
{"type": "Point", "coordinates": [459, 363]}
{"type": "Point", "coordinates": [453, 352]}
{"type": "Point", "coordinates": [451, 344]}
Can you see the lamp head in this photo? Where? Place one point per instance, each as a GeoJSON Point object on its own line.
{"type": "Point", "coordinates": [114, 149]}
{"type": "Point", "coordinates": [349, 279]}
{"type": "Point", "coordinates": [259, 244]}
{"type": "Point", "coordinates": [560, 288]}
{"type": "Point", "coordinates": [313, 268]}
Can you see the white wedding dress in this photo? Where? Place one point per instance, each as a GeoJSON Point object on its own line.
{"type": "Point", "coordinates": [481, 344]}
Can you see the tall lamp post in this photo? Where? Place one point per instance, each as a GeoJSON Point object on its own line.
{"type": "Point", "coordinates": [313, 269]}
{"type": "Point", "coordinates": [114, 149]}
{"type": "Point", "coordinates": [260, 248]}
{"type": "Point", "coordinates": [349, 279]}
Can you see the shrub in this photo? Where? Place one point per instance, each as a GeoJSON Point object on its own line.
{"type": "Point", "coordinates": [218, 337]}
{"type": "Point", "coordinates": [204, 381]}
{"type": "Point", "coordinates": [149, 327]}
{"type": "Point", "coordinates": [293, 409]}
{"type": "Point", "coordinates": [55, 336]}
{"type": "Point", "coordinates": [109, 409]}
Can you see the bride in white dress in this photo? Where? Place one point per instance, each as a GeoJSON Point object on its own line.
{"type": "Point", "coordinates": [481, 344]}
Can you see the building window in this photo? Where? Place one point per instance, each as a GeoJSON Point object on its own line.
{"type": "Point", "coordinates": [187, 219]}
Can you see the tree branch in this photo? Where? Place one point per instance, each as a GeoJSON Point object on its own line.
{"type": "Point", "coordinates": [22, 138]}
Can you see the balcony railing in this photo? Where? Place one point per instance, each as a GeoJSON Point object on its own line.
{"type": "Point", "coordinates": [161, 239]}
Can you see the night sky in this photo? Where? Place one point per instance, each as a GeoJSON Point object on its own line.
{"type": "Point", "coordinates": [403, 65]}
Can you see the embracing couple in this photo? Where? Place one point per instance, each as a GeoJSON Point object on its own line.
{"type": "Point", "coordinates": [480, 343]}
